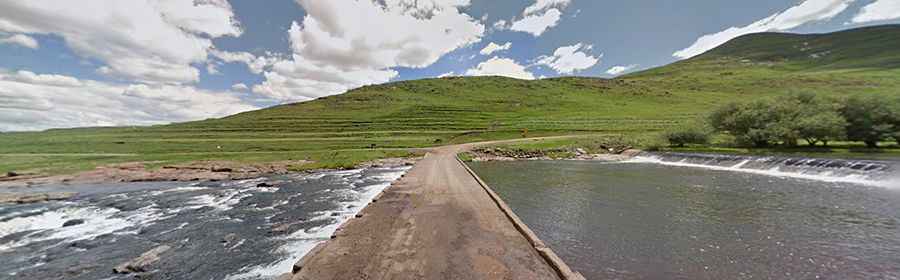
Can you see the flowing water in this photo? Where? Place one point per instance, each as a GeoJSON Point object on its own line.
{"type": "Point", "coordinates": [248, 229]}
{"type": "Point", "coordinates": [679, 216]}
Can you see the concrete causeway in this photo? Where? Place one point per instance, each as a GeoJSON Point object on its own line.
{"type": "Point", "coordinates": [438, 222]}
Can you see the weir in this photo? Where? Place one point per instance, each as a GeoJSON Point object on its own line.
{"type": "Point", "coordinates": [865, 172]}
{"type": "Point", "coordinates": [438, 222]}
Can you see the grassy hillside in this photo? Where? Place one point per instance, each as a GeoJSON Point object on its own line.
{"type": "Point", "coordinates": [385, 120]}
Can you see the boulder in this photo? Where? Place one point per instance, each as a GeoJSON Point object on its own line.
{"type": "Point", "coordinates": [74, 222]}
{"type": "Point", "coordinates": [142, 262]}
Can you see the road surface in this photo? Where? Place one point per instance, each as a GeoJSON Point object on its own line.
{"type": "Point", "coordinates": [435, 223]}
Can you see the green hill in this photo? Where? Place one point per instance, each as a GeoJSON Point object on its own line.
{"type": "Point", "coordinates": [385, 120]}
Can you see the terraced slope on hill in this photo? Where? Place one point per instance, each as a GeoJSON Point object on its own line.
{"type": "Point", "coordinates": [383, 120]}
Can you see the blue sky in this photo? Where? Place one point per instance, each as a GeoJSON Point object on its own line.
{"type": "Point", "coordinates": [140, 62]}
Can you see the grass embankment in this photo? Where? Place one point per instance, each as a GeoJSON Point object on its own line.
{"type": "Point", "coordinates": [387, 120]}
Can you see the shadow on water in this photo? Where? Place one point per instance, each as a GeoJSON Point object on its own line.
{"type": "Point", "coordinates": [644, 220]}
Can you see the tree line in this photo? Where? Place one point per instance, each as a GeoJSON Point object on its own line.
{"type": "Point", "coordinates": [787, 120]}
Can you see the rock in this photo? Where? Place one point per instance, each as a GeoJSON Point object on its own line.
{"type": "Point", "coordinates": [25, 198]}
{"type": "Point", "coordinates": [631, 152]}
{"type": "Point", "coordinates": [264, 185]}
{"type": "Point", "coordinates": [580, 151]}
{"type": "Point", "coordinates": [220, 169]}
{"type": "Point", "coordinates": [143, 261]}
{"type": "Point", "coordinates": [12, 174]}
{"type": "Point", "coordinates": [74, 222]}
{"type": "Point", "coordinates": [229, 238]}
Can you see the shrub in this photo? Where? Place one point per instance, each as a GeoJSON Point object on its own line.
{"type": "Point", "coordinates": [686, 135]}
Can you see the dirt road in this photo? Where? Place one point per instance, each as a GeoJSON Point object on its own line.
{"type": "Point", "coordinates": [435, 223]}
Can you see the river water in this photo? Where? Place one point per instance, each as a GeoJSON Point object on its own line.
{"type": "Point", "coordinates": [248, 229]}
{"type": "Point", "coordinates": [693, 217]}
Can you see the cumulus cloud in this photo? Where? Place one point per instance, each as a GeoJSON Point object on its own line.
{"type": "Point", "coordinates": [570, 59]}
{"type": "Point", "coordinates": [806, 12]}
{"type": "Point", "coordinates": [619, 69]}
{"type": "Point", "coordinates": [540, 16]}
{"type": "Point", "coordinates": [878, 11]}
{"type": "Point", "coordinates": [256, 64]}
{"type": "Point", "coordinates": [239, 87]}
{"type": "Point", "coordinates": [543, 5]}
{"type": "Point", "coordinates": [448, 74]}
{"type": "Point", "coordinates": [537, 24]}
{"type": "Point", "coordinates": [492, 48]}
{"type": "Point", "coordinates": [30, 101]}
{"type": "Point", "coordinates": [497, 66]}
{"type": "Point", "coordinates": [334, 48]}
{"type": "Point", "coordinates": [153, 41]}
{"type": "Point", "coordinates": [501, 25]}
{"type": "Point", "coordinates": [21, 40]}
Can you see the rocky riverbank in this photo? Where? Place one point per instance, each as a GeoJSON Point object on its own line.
{"type": "Point", "coordinates": [140, 172]}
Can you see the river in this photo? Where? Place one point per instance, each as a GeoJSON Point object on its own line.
{"type": "Point", "coordinates": [710, 217]}
{"type": "Point", "coordinates": [247, 229]}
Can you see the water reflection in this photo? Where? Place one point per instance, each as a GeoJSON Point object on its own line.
{"type": "Point", "coordinates": [648, 221]}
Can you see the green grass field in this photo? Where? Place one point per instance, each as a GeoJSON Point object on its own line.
{"type": "Point", "coordinates": [385, 120]}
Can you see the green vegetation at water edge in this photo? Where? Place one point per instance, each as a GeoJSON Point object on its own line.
{"type": "Point", "coordinates": [389, 119]}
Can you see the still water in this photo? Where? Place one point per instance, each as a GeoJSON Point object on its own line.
{"type": "Point", "coordinates": [646, 220]}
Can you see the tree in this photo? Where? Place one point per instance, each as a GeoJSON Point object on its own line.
{"type": "Point", "coordinates": [784, 120]}
{"type": "Point", "coordinates": [822, 127]}
{"type": "Point", "coordinates": [869, 119]}
{"type": "Point", "coordinates": [808, 117]}
{"type": "Point", "coordinates": [750, 123]}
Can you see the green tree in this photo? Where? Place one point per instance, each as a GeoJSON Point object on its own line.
{"type": "Point", "coordinates": [808, 117]}
{"type": "Point", "coordinates": [751, 123]}
{"type": "Point", "coordinates": [869, 119]}
{"type": "Point", "coordinates": [784, 120]}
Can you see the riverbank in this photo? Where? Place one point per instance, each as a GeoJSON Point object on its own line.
{"type": "Point", "coordinates": [15, 188]}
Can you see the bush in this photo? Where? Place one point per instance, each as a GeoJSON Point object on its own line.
{"type": "Point", "coordinates": [870, 119]}
{"type": "Point", "coordinates": [686, 135]}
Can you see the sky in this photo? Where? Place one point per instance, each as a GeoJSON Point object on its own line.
{"type": "Point", "coordinates": [143, 62]}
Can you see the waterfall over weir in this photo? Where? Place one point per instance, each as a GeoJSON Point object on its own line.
{"type": "Point", "coordinates": [865, 172]}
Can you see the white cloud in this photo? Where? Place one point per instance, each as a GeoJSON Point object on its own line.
{"type": "Point", "coordinates": [335, 48]}
{"type": "Point", "coordinates": [212, 68]}
{"type": "Point", "coordinates": [256, 64]}
{"type": "Point", "coordinates": [153, 41]}
{"type": "Point", "coordinates": [501, 25]}
{"type": "Point", "coordinates": [30, 101]}
{"type": "Point", "coordinates": [619, 69]}
{"type": "Point", "coordinates": [448, 74]}
{"type": "Point", "coordinates": [543, 5]}
{"type": "Point", "coordinates": [538, 23]}
{"type": "Point", "coordinates": [501, 67]}
{"type": "Point", "coordinates": [878, 11]}
{"type": "Point", "coordinates": [806, 12]}
{"type": "Point", "coordinates": [540, 16]}
{"type": "Point", "coordinates": [492, 48]}
{"type": "Point", "coordinates": [240, 87]}
{"type": "Point", "coordinates": [570, 59]}
{"type": "Point", "coordinates": [21, 40]}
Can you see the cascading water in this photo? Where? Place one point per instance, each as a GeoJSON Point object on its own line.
{"type": "Point", "coordinates": [865, 172]}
